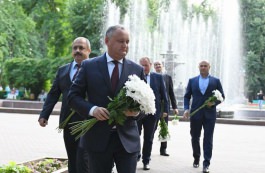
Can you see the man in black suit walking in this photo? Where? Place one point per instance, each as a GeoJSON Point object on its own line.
{"type": "Point", "coordinates": [61, 85]}
{"type": "Point", "coordinates": [158, 66]}
{"type": "Point", "coordinates": [105, 142]}
{"type": "Point", "coordinates": [149, 122]}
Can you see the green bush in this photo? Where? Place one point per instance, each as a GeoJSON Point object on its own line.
{"type": "Point", "coordinates": [12, 167]}
{"type": "Point", "coordinates": [3, 94]}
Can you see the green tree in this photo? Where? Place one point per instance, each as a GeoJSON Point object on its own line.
{"type": "Point", "coordinates": [253, 13]}
{"type": "Point", "coordinates": [26, 72]}
{"type": "Point", "coordinates": [52, 23]}
{"type": "Point", "coordinates": [18, 37]}
{"type": "Point", "coordinates": [87, 19]}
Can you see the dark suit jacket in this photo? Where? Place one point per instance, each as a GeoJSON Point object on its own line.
{"type": "Point", "coordinates": [198, 98]}
{"type": "Point", "coordinates": [170, 91]}
{"type": "Point", "coordinates": [159, 89]}
{"type": "Point", "coordinates": [61, 85]}
{"type": "Point", "coordinates": [93, 79]}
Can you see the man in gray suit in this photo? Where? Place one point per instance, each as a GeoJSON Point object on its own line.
{"type": "Point", "coordinates": [107, 143]}
{"type": "Point", "coordinates": [158, 66]}
{"type": "Point", "coordinates": [61, 85]}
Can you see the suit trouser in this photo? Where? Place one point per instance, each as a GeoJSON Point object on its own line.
{"type": "Point", "coordinates": [149, 124]}
{"type": "Point", "coordinates": [82, 164]}
{"type": "Point", "coordinates": [195, 131]}
{"type": "Point", "coordinates": [163, 145]}
{"type": "Point", "coordinates": [71, 146]}
{"type": "Point", "coordinates": [102, 162]}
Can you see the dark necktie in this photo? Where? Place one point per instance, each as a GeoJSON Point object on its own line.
{"type": "Point", "coordinates": [77, 70]}
{"type": "Point", "coordinates": [145, 76]}
{"type": "Point", "coordinates": [115, 76]}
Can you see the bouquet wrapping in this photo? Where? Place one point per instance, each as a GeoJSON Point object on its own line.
{"type": "Point", "coordinates": [136, 96]}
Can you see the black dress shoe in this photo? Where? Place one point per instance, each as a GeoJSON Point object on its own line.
{"type": "Point", "coordinates": [206, 170]}
{"type": "Point", "coordinates": [164, 154]}
{"type": "Point", "coordinates": [138, 157]}
{"type": "Point", "coordinates": [196, 163]}
{"type": "Point", "coordinates": [146, 167]}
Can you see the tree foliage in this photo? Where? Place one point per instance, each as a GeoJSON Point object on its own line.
{"type": "Point", "coordinates": [87, 20]}
{"type": "Point", "coordinates": [26, 72]}
{"type": "Point", "coordinates": [52, 23]}
{"type": "Point", "coordinates": [254, 34]}
{"type": "Point", "coordinates": [123, 5]}
{"type": "Point", "coordinates": [36, 35]}
{"type": "Point", "coordinates": [204, 8]}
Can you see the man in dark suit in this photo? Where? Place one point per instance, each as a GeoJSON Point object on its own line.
{"type": "Point", "coordinates": [61, 85]}
{"type": "Point", "coordinates": [149, 122]}
{"type": "Point", "coordinates": [200, 88]}
{"type": "Point", "coordinates": [158, 66]}
{"type": "Point", "coordinates": [107, 143]}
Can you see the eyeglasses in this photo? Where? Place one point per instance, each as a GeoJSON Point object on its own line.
{"type": "Point", "coordinates": [203, 65]}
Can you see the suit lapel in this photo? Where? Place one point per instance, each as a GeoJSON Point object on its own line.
{"type": "Point", "coordinates": [198, 84]}
{"type": "Point", "coordinates": [103, 67]}
{"type": "Point", "coordinates": [66, 73]}
{"type": "Point", "coordinates": [209, 85]}
{"type": "Point", "coordinates": [152, 80]}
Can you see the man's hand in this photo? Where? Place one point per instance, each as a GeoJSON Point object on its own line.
{"type": "Point", "coordinates": [176, 111]}
{"type": "Point", "coordinates": [164, 114]}
{"type": "Point", "coordinates": [101, 114]}
{"type": "Point", "coordinates": [43, 122]}
{"type": "Point", "coordinates": [129, 113]}
{"type": "Point", "coordinates": [186, 114]}
{"type": "Point", "coordinates": [210, 104]}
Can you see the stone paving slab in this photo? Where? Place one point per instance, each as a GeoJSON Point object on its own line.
{"type": "Point", "coordinates": [237, 148]}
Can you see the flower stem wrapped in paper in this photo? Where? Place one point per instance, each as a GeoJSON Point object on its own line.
{"type": "Point", "coordinates": [175, 120]}
{"type": "Point", "coordinates": [163, 131]}
{"type": "Point", "coordinates": [217, 96]}
{"type": "Point", "coordinates": [65, 122]}
{"type": "Point", "coordinates": [136, 95]}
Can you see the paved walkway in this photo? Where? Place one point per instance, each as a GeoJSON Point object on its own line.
{"type": "Point", "coordinates": [237, 148]}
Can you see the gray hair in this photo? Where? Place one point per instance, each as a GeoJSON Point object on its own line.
{"type": "Point", "coordinates": [81, 38]}
{"type": "Point", "coordinates": [146, 58]}
{"type": "Point", "coordinates": [111, 29]}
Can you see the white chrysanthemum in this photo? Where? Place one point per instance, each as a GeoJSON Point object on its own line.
{"type": "Point", "coordinates": [175, 122]}
{"type": "Point", "coordinates": [141, 92]}
{"type": "Point", "coordinates": [218, 95]}
{"type": "Point", "coordinates": [165, 139]}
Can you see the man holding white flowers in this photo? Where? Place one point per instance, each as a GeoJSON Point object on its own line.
{"type": "Point", "coordinates": [101, 78]}
{"type": "Point", "coordinates": [159, 68]}
{"type": "Point", "coordinates": [149, 122]}
{"type": "Point", "coordinates": [201, 88]}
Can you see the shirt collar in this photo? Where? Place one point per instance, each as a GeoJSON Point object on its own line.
{"type": "Point", "coordinates": [205, 77]}
{"type": "Point", "coordinates": [74, 64]}
{"type": "Point", "coordinates": [109, 59]}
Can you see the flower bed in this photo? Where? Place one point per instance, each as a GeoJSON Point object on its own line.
{"type": "Point", "coordinates": [43, 165]}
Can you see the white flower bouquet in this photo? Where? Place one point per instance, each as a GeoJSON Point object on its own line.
{"type": "Point", "coordinates": [216, 96]}
{"type": "Point", "coordinates": [175, 120]}
{"type": "Point", "coordinates": [163, 135]}
{"type": "Point", "coordinates": [136, 95]}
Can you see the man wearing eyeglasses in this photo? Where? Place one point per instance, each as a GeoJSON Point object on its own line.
{"type": "Point", "coordinates": [200, 88]}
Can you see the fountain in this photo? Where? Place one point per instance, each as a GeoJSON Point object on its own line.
{"type": "Point", "coordinates": [171, 64]}
{"type": "Point", "coordinates": [195, 38]}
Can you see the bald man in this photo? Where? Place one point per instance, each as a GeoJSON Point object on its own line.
{"type": "Point", "coordinates": [200, 88]}
{"type": "Point", "coordinates": [159, 68]}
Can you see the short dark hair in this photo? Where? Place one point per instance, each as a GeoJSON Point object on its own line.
{"type": "Point", "coordinates": [111, 29]}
